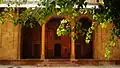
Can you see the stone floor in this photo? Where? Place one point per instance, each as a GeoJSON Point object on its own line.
{"type": "Point", "coordinates": [10, 66]}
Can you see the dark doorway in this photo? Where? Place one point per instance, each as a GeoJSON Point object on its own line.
{"type": "Point", "coordinates": [31, 42]}
{"type": "Point", "coordinates": [25, 50]}
{"type": "Point", "coordinates": [36, 51]}
{"type": "Point", "coordinates": [57, 51]}
{"type": "Point", "coordinates": [84, 50]}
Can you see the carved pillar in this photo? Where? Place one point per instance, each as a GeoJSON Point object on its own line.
{"type": "Point", "coordinates": [43, 43]}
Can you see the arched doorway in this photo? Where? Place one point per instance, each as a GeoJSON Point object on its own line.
{"type": "Point", "coordinates": [56, 48]}
{"type": "Point", "coordinates": [82, 49]}
{"type": "Point", "coordinates": [31, 42]}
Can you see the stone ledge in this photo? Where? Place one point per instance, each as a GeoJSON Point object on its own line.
{"type": "Point", "coordinates": [54, 62]}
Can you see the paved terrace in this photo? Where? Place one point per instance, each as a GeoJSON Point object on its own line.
{"type": "Point", "coordinates": [59, 63]}
{"type": "Point", "coordinates": [10, 66]}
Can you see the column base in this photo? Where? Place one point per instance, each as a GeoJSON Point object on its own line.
{"type": "Point", "coordinates": [42, 57]}
{"type": "Point", "coordinates": [72, 56]}
{"type": "Point", "coordinates": [72, 59]}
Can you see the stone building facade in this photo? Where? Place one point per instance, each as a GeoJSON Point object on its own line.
{"type": "Point", "coordinates": [41, 42]}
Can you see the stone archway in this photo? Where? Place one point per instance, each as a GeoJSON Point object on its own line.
{"type": "Point", "coordinates": [31, 42]}
{"type": "Point", "coordinates": [82, 49]}
{"type": "Point", "coordinates": [52, 39]}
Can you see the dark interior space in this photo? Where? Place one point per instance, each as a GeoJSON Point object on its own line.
{"type": "Point", "coordinates": [84, 50]}
{"type": "Point", "coordinates": [30, 44]}
{"type": "Point", "coordinates": [52, 37]}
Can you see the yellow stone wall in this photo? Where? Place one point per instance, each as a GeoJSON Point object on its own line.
{"type": "Point", "coordinates": [101, 37]}
{"type": "Point", "coordinates": [9, 41]}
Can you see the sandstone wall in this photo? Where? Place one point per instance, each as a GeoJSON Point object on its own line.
{"type": "Point", "coordinates": [9, 41]}
{"type": "Point", "coordinates": [101, 36]}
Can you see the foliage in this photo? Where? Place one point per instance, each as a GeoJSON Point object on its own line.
{"type": "Point", "coordinates": [113, 12]}
{"type": "Point", "coordinates": [64, 28]}
{"type": "Point", "coordinates": [8, 15]}
{"type": "Point", "coordinates": [109, 12]}
{"type": "Point", "coordinates": [89, 33]}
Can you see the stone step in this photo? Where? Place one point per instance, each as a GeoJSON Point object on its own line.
{"type": "Point", "coordinates": [57, 63]}
{"type": "Point", "coordinates": [60, 60]}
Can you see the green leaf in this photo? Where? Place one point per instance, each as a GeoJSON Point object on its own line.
{"type": "Point", "coordinates": [62, 10]}
{"type": "Point", "coordinates": [87, 41]}
{"type": "Point", "coordinates": [98, 22]}
{"type": "Point", "coordinates": [75, 14]}
{"type": "Point", "coordinates": [95, 17]}
{"type": "Point", "coordinates": [1, 22]}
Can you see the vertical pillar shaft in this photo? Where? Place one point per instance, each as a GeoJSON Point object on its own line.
{"type": "Point", "coordinates": [19, 37]}
{"type": "Point", "coordinates": [72, 48]}
{"type": "Point", "coordinates": [72, 57]}
{"type": "Point", "coordinates": [43, 43]}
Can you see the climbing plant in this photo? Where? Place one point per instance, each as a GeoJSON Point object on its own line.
{"type": "Point", "coordinates": [70, 10]}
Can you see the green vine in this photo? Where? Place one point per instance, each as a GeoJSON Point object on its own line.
{"type": "Point", "coordinates": [89, 33]}
{"type": "Point", "coordinates": [64, 28]}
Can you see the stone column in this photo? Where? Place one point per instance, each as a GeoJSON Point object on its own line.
{"type": "Point", "coordinates": [72, 56]}
{"type": "Point", "coordinates": [43, 43]}
{"type": "Point", "coordinates": [19, 27]}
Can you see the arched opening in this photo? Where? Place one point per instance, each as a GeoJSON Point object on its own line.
{"type": "Point", "coordinates": [82, 49]}
{"type": "Point", "coordinates": [31, 42]}
{"type": "Point", "coordinates": [53, 41]}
